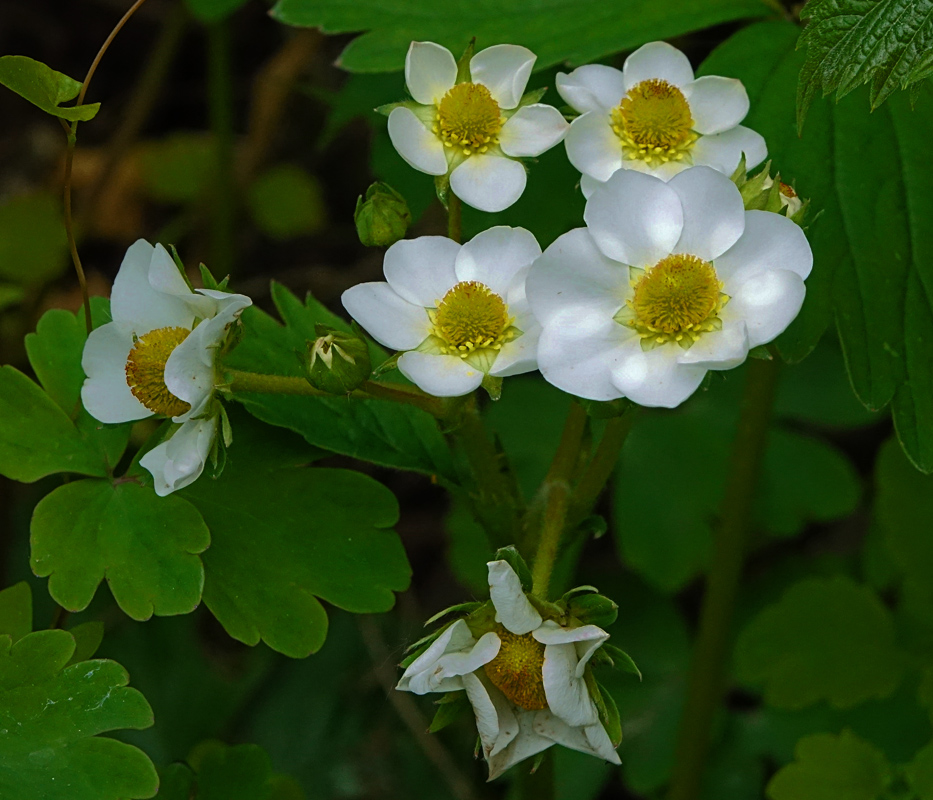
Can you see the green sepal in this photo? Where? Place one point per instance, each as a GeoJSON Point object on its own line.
{"type": "Point", "coordinates": [381, 217]}
{"type": "Point", "coordinates": [761, 352]}
{"type": "Point", "coordinates": [609, 715]}
{"type": "Point", "coordinates": [337, 361]}
{"type": "Point", "coordinates": [209, 281]}
{"type": "Point", "coordinates": [593, 609]}
{"type": "Point", "coordinates": [463, 65]}
{"type": "Point", "coordinates": [620, 660]}
{"type": "Point", "coordinates": [493, 386]}
{"type": "Point", "coordinates": [450, 708]}
{"type": "Point", "coordinates": [538, 761]}
{"type": "Point", "coordinates": [388, 108]}
{"type": "Point", "coordinates": [388, 365]}
{"type": "Point", "coordinates": [460, 608]}
{"type": "Point", "coordinates": [592, 527]}
{"type": "Point", "coordinates": [514, 559]}
{"type": "Point", "coordinates": [482, 620]}
{"type": "Point", "coordinates": [442, 188]}
{"type": "Point", "coordinates": [801, 214]}
{"type": "Point", "coordinates": [530, 98]}
{"type": "Point", "coordinates": [413, 656]}
{"type": "Point", "coordinates": [180, 266]}
{"type": "Point", "coordinates": [578, 590]}
{"type": "Point", "coordinates": [606, 409]}
{"type": "Point", "coordinates": [221, 444]}
{"type": "Point", "coordinates": [773, 201]}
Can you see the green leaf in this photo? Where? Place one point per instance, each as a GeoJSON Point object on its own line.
{"type": "Point", "coordinates": [920, 773]}
{"type": "Point", "coordinates": [851, 42]}
{"type": "Point", "coordinates": [904, 508]}
{"type": "Point", "coordinates": [565, 30]}
{"type": "Point", "coordinates": [385, 433]}
{"type": "Point", "coordinates": [825, 640]}
{"type": "Point", "coordinates": [178, 168]}
{"type": "Point", "coordinates": [832, 767]}
{"type": "Point", "coordinates": [213, 10]}
{"type": "Point", "coordinates": [33, 245]}
{"type": "Point", "coordinates": [44, 87]}
{"type": "Point", "coordinates": [88, 637]}
{"type": "Point", "coordinates": [872, 247]}
{"type": "Point", "coordinates": [286, 201]}
{"type": "Point", "coordinates": [50, 715]}
{"type": "Point", "coordinates": [284, 535]}
{"type": "Point", "coordinates": [146, 546]}
{"type": "Point", "coordinates": [16, 611]}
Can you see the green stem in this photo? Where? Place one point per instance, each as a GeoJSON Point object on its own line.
{"type": "Point", "coordinates": [454, 217]}
{"type": "Point", "coordinates": [555, 494]}
{"type": "Point", "coordinates": [220, 108]}
{"type": "Point", "coordinates": [707, 679]}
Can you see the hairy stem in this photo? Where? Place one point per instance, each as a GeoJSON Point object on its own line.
{"type": "Point", "coordinates": [706, 682]}
{"type": "Point", "coordinates": [220, 108]}
{"type": "Point", "coordinates": [555, 494]}
{"type": "Point", "coordinates": [454, 218]}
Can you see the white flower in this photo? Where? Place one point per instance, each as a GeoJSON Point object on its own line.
{"type": "Point", "coordinates": [525, 680]}
{"type": "Point", "coordinates": [654, 117]}
{"type": "Point", "coordinates": [473, 130]}
{"type": "Point", "coordinates": [157, 357]}
{"type": "Point", "coordinates": [458, 312]}
{"type": "Point", "coordinates": [667, 281]}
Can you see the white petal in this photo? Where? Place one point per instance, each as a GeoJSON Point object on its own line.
{"type": "Point", "coordinates": [164, 275]}
{"type": "Point", "coordinates": [504, 69]}
{"type": "Point", "coordinates": [528, 743]}
{"type": "Point", "coordinates": [600, 744]}
{"type": "Point", "coordinates": [189, 373]}
{"type": "Point", "coordinates": [586, 640]}
{"type": "Point", "coordinates": [178, 462]}
{"type": "Point", "coordinates": [588, 185]}
{"type": "Point", "coordinates": [105, 394]}
{"type": "Point", "coordinates": [430, 72]}
{"type": "Point", "coordinates": [722, 349]}
{"type": "Point", "coordinates": [390, 320]}
{"type": "Point", "coordinates": [770, 241]}
{"type": "Point", "coordinates": [768, 302]}
{"type": "Point", "coordinates": [578, 350]}
{"type": "Point", "coordinates": [634, 218]}
{"type": "Point", "coordinates": [655, 378]}
{"type": "Point", "coordinates": [716, 104]}
{"type": "Point", "coordinates": [488, 182]}
{"type": "Point", "coordinates": [593, 87]}
{"type": "Point", "coordinates": [495, 720]}
{"type": "Point", "coordinates": [714, 213]}
{"type": "Point", "coordinates": [521, 354]}
{"type": "Point", "coordinates": [420, 148]}
{"type": "Point", "coordinates": [513, 609]}
{"type": "Point", "coordinates": [532, 130]}
{"type": "Point", "coordinates": [554, 728]}
{"type": "Point", "coordinates": [657, 60]}
{"type": "Point", "coordinates": [442, 376]}
{"type": "Point", "coordinates": [495, 256]}
{"type": "Point", "coordinates": [454, 638]}
{"type": "Point", "coordinates": [135, 300]}
{"type": "Point", "coordinates": [567, 695]}
{"type": "Point", "coordinates": [574, 272]}
{"type": "Point", "coordinates": [723, 151]}
{"type": "Point", "coordinates": [443, 675]}
{"type": "Point", "coordinates": [421, 270]}
{"type": "Point", "coordinates": [592, 146]}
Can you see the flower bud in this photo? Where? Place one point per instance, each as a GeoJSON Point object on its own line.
{"type": "Point", "coordinates": [383, 217]}
{"type": "Point", "coordinates": [337, 361]}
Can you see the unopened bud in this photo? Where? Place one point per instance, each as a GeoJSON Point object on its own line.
{"type": "Point", "coordinates": [382, 218]}
{"type": "Point", "coordinates": [337, 362]}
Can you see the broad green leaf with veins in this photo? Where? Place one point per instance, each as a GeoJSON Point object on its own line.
{"type": "Point", "coordinates": [872, 244]}
{"type": "Point", "coordinates": [886, 43]}
{"type": "Point", "coordinates": [50, 715]}
{"type": "Point", "coordinates": [575, 31]}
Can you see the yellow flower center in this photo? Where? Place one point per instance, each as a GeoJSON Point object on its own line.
{"type": "Point", "coordinates": [471, 317]}
{"type": "Point", "coordinates": [676, 300]}
{"type": "Point", "coordinates": [787, 191]}
{"type": "Point", "coordinates": [468, 118]}
{"type": "Point", "coordinates": [145, 370]}
{"type": "Point", "coordinates": [517, 670]}
{"type": "Point", "coordinates": [654, 123]}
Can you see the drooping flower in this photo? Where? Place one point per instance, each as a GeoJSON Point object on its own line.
{"type": "Point", "coordinates": [667, 281]}
{"type": "Point", "coordinates": [653, 116]}
{"type": "Point", "coordinates": [525, 679]}
{"type": "Point", "coordinates": [157, 357]}
{"type": "Point", "coordinates": [457, 312]}
{"type": "Point", "coordinates": [473, 130]}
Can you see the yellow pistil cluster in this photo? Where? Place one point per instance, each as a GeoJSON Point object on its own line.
{"type": "Point", "coordinates": [654, 123]}
{"type": "Point", "coordinates": [468, 118]}
{"type": "Point", "coordinates": [676, 300]}
{"type": "Point", "coordinates": [471, 317]}
{"type": "Point", "coordinates": [517, 670]}
{"type": "Point", "coordinates": [145, 371]}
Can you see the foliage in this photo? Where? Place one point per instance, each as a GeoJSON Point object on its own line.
{"type": "Point", "coordinates": [44, 87]}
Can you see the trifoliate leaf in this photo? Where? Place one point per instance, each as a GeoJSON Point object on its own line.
{"type": "Point", "coordinates": [286, 201]}
{"type": "Point", "coordinates": [33, 244]}
{"type": "Point", "coordinates": [825, 640]}
{"type": "Point", "coordinates": [50, 715]}
{"type": "Point", "coordinates": [850, 42]}
{"type": "Point", "coordinates": [385, 433]}
{"type": "Point", "coordinates": [16, 611]}
{"type": "Point", "coordinates": [44, 87]}
{"type": "Point", "coordinates": [145, 546]}
{"type": "Point", "coordinates": [872, 247]}
{"type": "Point", "coordinates": [567, 30]}
{"type": "Point", "coordinates": [830, 767]}
{"type": "Point", "coordinates": [920, 773]}
{"type": "Point", "coordinates": [284, 535]}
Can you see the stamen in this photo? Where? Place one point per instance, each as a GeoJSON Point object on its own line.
{"type": "Point", "coordinates": [517, 670]}
{"type": "Point", "coordinates": [145, 371]}
{"type": "Point", "coordinates": [654, 123]}
{"type": "Point", "coordinates": [468, 118]}
{"type": "Point", "coordinates": [471, 317]}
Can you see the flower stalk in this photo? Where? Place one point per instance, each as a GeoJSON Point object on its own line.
{"type": "Point", "coordinates": [454, 218]}
{"type": "Point", "coordinates": [706, 681]}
